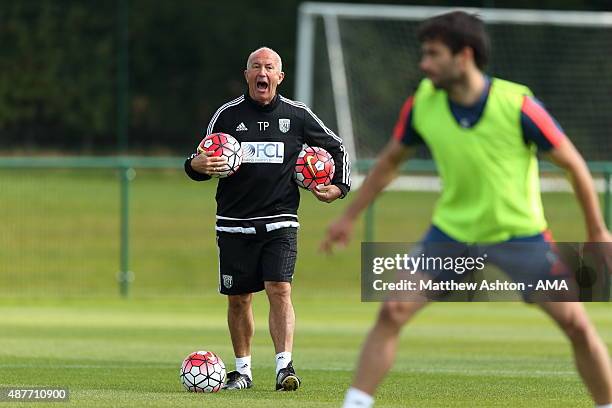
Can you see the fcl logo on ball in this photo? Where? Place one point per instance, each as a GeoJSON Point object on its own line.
{"type": "Point", "coordinates": [223, 145]}
{"type": "Point", "coordinates": [314, 166]}
{"type": "Point", "coordinates": [202, 371]}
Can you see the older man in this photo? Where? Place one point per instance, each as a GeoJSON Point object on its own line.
{"type": "Point", "coordinates": [257, 208]}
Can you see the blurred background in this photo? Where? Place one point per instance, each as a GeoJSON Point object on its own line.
{"type": "Point", "coordinates": [108, 262]}
{"type": "Point", "coordinates": [62, 62]}
{"type": "Point", "coordinates": [101, 101]}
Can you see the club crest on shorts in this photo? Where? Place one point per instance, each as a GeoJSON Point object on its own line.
{"type": "Point", "coordinates": [227, 281]}
{"type": "Point", "coordinates": [284, 125]}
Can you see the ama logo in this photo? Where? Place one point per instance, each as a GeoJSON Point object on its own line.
{"type": "Point", "coordinates": [263, 152]}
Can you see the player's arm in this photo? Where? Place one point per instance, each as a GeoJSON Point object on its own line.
{"type": "Point", "coordinates": [399, 148]}
{"type": "Point", "coordinates": [202, 166]}
{"type": "Point", "coordinates": [317, 134]}
{"type": "Point", "coordinates": [540, 128]}
{"type": "Point", "coordinates": [567, 157]}
{"type": "Point", "coordinates": [383, 172]}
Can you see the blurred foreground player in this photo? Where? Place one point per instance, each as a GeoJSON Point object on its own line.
{"type": "Point", "coordinates": [483, 134]}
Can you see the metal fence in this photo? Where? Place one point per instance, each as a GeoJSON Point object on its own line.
{"type": "Point", "coordinates": [125, 167]}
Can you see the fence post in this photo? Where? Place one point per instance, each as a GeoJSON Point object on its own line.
{"type": "Point", "coordinates": [126, 174]}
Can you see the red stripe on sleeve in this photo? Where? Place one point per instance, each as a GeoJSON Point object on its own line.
{"type": "Point", "coordinates": [543, 121]}
{"type": "Point", "coordinates": [548, 236]}
{"type": "Point", "coordinates": [400, 126]}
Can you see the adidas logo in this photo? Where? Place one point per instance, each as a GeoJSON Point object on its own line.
{"type": "Point", "coordinates": [244, 366]}
{"type": "Point", "coordinates": [241, 127]}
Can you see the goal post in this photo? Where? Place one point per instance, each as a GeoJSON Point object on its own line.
{"type": "Point", "coordinates": [356, 63]}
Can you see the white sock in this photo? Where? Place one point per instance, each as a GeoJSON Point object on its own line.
{"type": "Point", "coordinates": [357, 399]}
{"type": "Point", "coordinates": [604, 406]}
{"type": "Point", "coordinates": [282, 360]}
{"type": "Point", "coordinates": [243, 366]}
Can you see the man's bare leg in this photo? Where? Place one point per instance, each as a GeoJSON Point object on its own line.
{"type": "Point", "coordinates": [378, 352]}
{"type": "Point", "coordinates": [242, 327]}
{"type": "Point", "coordinates": [590, 353]}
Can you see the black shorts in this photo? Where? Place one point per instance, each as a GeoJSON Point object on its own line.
{"type": "Point", "coordinates": [247, 261]}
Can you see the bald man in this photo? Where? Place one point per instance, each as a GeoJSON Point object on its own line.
{"type": "Point", "coordinates": [257, 207]}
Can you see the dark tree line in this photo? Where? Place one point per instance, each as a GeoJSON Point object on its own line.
{"type": "Point", "coordinates": [59, 59]}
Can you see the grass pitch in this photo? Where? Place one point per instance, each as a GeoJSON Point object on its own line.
{"type": "Point", "coordinates": [118, 353]}
{"type": "Point", "coordinates": [61, 323]}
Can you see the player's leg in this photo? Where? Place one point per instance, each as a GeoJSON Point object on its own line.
{"type": "Point", "coordinates": [242, 327]}
{"type": "Point", "coordinates": [241, 323]}
{"type": "Point", "coordinates": [279, 255]}
{"type": "Point", "coordinates": [282, 315]}
{"type": "Point", "coordinates": [238, 258]}
{"type": "Point", "coordinates": [590, 352]}
{"type": "Point", "coordinates": [282, 326]}
{"type": "Point", "coordinates": [378, 351]}
{"type": "Point", "coordinates": [537, 258]}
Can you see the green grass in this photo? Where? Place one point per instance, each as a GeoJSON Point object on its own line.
{"type": "Point", "coordinates": [61, 323]}
{"type": "Point", "coordinates": [60, 233]}
{"type": "Point", "coordinates": [127, 353]}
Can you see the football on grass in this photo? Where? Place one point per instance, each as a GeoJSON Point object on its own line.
{"type": "Point", "coordinates": [223, 145]}
{"type": "Point", "coordinates": [314, 167]}
{"type": "Point", "coordinates": [202, 371]}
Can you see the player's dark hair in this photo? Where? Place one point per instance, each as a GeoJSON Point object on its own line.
{"type": "Point", "coordinates": [458, 30]}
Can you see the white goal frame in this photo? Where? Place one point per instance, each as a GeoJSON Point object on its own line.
{"type": "Point", "coordinates": [330, 12]}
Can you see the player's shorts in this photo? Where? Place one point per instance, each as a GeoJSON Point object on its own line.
{"type": "Point", "coordinates": [246, 261]}
{"type": "Point", "coordinates": [527, 259]}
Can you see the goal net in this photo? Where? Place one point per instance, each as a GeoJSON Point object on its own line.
{"type": "Point", "coordinates": [356, 64]}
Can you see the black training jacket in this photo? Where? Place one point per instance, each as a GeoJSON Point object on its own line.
{"type": "Point", "coordinates": [272, 136]}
